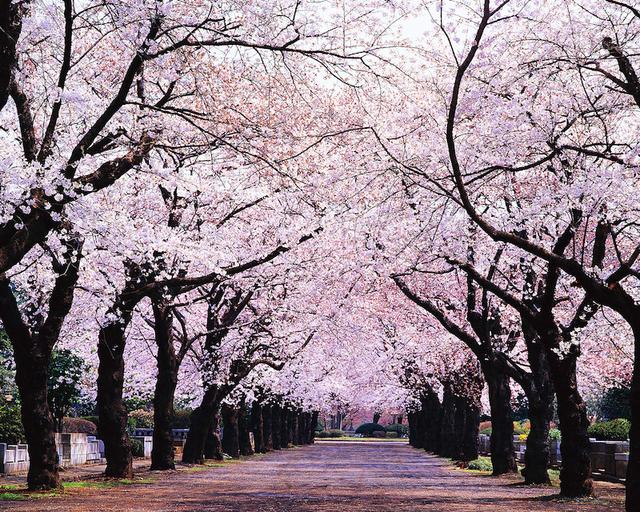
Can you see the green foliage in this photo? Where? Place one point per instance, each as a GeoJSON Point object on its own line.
{"type": "Point", "coordinates": [65, 372]}
{"type": "Point", "coordinates": [486, 431]}
{"type": "Point", "coordinates": [11, 430]}
{"type": "Point", "coordinates": [521, 427]}
{"type": "Point", "coordinates": [333, 433]}
{"type": "Point", "coordinates": [614, 430]}
{"type": "Point", "coordinates": [401, 430]}
{"type": "Point", "coordinates": [615, 403]}
{"type": "Point", "coordinates": [141, 418]}
{"type": "Point", "coordinates": [554, 435]}
{"type": "Point", "coordinates": [481, 464]}
{"type": "Point", "coordinates": [367, 429]}
{"type": "Point", "coordinates": [79, 425]}
{"type": "Point", "coordinates": [137, 448]}
{"type": "Point", "coordinates": [391, 435]}
{"type": "Point", "coordinates": [8, 388]}
{"type": "Point", "coordinates": [133, 403]}
{"type": "Point", "coordinates": [181, 418]}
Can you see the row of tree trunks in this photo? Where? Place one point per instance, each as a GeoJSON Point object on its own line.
{"type": "Point", "coordinates": [449, 429]}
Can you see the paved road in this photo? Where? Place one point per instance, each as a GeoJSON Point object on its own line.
{"type": "Point", "coordinates": [325, 477]}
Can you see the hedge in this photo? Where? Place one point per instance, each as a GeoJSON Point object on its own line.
{"type": "Point", "coordinates": [367, 429]}
{"type": "Point", "coordinates": [79, 425]}
{"type": "Point", "coordinates": [614, 430]}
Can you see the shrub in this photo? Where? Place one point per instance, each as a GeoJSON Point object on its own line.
{"type": "Point", "coordinates": [92, 419]}
{"type": "Point", "coordinates": [614, 430]}
{"type": "Point", "coordinates": [11, 430]}
{"type": "Point", "coordinates": [367, 429]}
{"type": "Point", "coordinates": [554, 435]}
{"type": "Point", "coordinates": [486, 431]}
{"type": "Point", "coordinates": [481, 464]}
{"type": "Point", "coordinates": [142, 418]}
{"type": "Point", "coordinates": [330, 433]}
{"type": "Point", "coordinates": [380, 434]}
{"type": "Point", "coordinates": [391, 435]}
{"type": "Point", "coordinates": [615, 403]}
{"type": "Point", "coordinates": [484, 425]}
{"type": "Point", "coordinates": [137, 448]}
{"type": "Point", "coordinates": [521, 427]}
{"type": "Point", "coordinates": [79, 425]}
{"type": "Point", "coordinates": [401, 430]}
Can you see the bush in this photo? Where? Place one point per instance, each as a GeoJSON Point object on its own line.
{"type": "Point", "coordinates": [486, 431]}
{"type": "Point", "coordinates": [92, 419]}
{"type": "Point", "coordinates": [615, 403]}
{"type": "Point", "coordinates": [521, 427]}
{"type": "Point", "coordinates": [79, 425]}
{"type": "Point", "coordinates": [614, 430]}
{"type": "Point", "coordinates": [142, 418]}
{"type": "Point", "coordinates": [380, 434]}
{"type": "Point", "coordinates": [181, 418]}
{"type": "Point", "coordinates": [554, 435]}
{"type": "Point", "coordinates": [401, 430]}
{"type": "Point", "coordinates": [330, 433]}
{"type": "Point", "coordinates": [137, 448]}
{"type": "Point", "coordinates": [481, 464]}
{"type": "Point", "coordinates": [391, 435]}
{"type": "Point", "coordinates": [11, 430]}
{"type": "Point", "coordinates": [367, 429]}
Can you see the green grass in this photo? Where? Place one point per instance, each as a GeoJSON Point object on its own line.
{"type": "Point", "coordinates": [362, 439]}
{"type": "Point", "coordinates": [12, 496]}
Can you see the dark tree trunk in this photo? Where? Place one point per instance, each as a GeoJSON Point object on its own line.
{"type": "Point", "coordinates": [470, 433]}
{"type": "Point", "coordinates": [502, 451]}
{"type": "Point", "coordinates": [257, 427]}
{"type": "Point", "coordinates": [212, 444]}
{"type": "Point", "coordinates": [448, 441]}
{"type": "Point", "coordinates": [295, 428]}
{"type": "Point", "coordinates": [39, 427]}
{"type": "Point", "coordinates": [244, 431]}
{"type": "Point", "coordinates": [230, 431]}
{"type": "Point", "coordinates": [200, 429]}
{"type": "Point", "coordinates": [284, 428]}
{"type": "Point", "coordinates": [267, 423]}
{"type": "Point", "coordinates": [276, 427]}
{"type": "Point", "coordinates": [376, 417]}
{"type": "Point", "coordinates": [166, 382]}
{"type": "Point", "coordinates": [313, 426]}
{"type": "Point", "coordinates": [459, 427]}
{"type": "Point", "coordinates": [575, 474]}
{"type": "Point", "coordinates": [540, 396]}
{"type": "Point", "coordinates": [412, 418]}
{"type": "Point", "coordinates": [633, 469]}
{"type": "Point", "coordinates": [432, 417]}
{"type": "Point", "coordinates": [112, 423]}
{"type": "Point", "coordinates": [421, 425]}
{"type": "Point", "coordinates": [291, 438]}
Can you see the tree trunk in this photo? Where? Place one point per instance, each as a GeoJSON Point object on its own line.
{"type": "Point", "coordinates": [448, 441]}
{"type": "Point", "coordinates": [39, 427]}
{"type": "Point", "coordinates": [244, 431]}
{"type": "Point", "coordinates": [459, 427]}
{"type": "Point", "coordinates": [470, 433]}
{"type": "Point", "coordinates": [633, 469]}
{"type": "Point", "coordinates": [257, 427]}
{"type": "Point", "coordinates": [212, 443]}
{"type": "Point", "coordinates": [112, 423]}
{"type": "Point", "coordinates": [230, 432]}
{"type": "Point", "coordinates": [166, 382]}
{"type": "Point", "coordinates": [313, 426]}
{"type": "Point", "coordinates": [200, 429]}
{"type": "Point", "coordinates": [412, 417]}
{"type": "Point", "coordinates": [540, 396]}
{"type": "Point", "coordinates": [295, 428]}
{"type": "Point", "coordinates": [432, 417]}
{"type": "Point", "coordinates": [284, 428]}
{"type": "Point", "coordinates": [276, 427]}
{"type": "Point", "coordinates": [267, 432]}
{"type": "Point", "coordinates": [502, 451]}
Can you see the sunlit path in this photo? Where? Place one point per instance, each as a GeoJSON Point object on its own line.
{"type": "Point", "coordinates": [326, 476]}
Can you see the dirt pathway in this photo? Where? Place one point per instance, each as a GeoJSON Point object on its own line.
{"type": "Point", "coordinates": [325, 477]}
